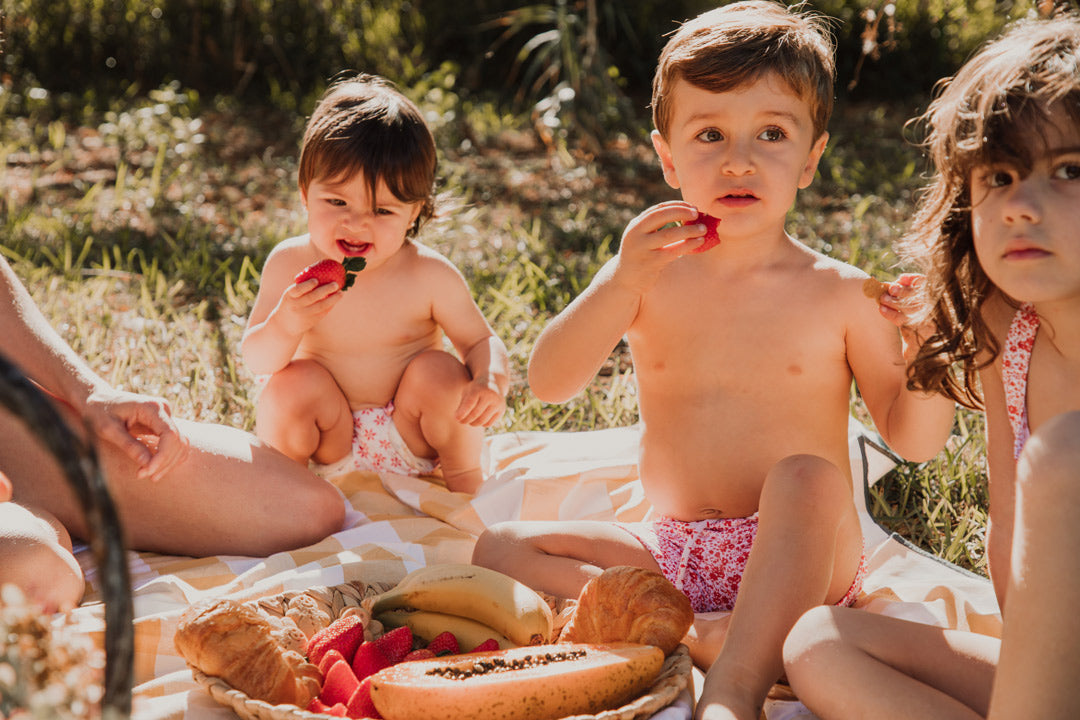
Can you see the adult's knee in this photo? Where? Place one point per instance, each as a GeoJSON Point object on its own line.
{"type": "Point", "coordinates": [36, 560]}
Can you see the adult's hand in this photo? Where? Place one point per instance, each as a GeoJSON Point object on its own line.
{"type": "Point", "coordinates": [141, 426]}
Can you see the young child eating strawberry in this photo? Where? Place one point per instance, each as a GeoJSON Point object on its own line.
{"type": "Point", "coordinates": [356, 377]}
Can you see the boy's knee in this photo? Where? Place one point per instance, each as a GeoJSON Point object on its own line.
{"type": "Point", "coordinates": [808, 479]}
{"type": "Point", "coordinates": [297, 383]}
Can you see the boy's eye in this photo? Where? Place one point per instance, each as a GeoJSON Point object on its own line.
{"type": "Point", "coordinates": [383, 211]}
{"type": "Point", "coordinates": [336, 202]}
{"type": "Point", "coordinates": [710, 136]}
{"type": "Point", "coordinates": [772, 134]}
{"type": "Point", "coordinates": [1068, 171]}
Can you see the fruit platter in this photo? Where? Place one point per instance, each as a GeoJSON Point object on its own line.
{"type": "Point", "coordinates": [450, 641]}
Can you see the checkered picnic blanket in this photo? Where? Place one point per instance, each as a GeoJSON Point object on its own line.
{"type": "Point", "coordinates": [396, 523]}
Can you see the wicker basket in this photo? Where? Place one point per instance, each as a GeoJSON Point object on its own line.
{"type": "Point", "coordinates": [674, 676]}
{"type": "Point", "coordinates": [78, 462]}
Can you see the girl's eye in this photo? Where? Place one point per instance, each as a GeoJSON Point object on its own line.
{"type": "Point", "coordinates": [997, 178]}
{"type": "Point", "coordinates": [772, 134]}
{"type": "Point", "coordinates": [710, 136]}
{"type": "Point", "coordinates": [1068, 171]}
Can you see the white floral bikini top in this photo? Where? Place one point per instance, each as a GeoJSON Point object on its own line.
{"type": "Point", "coordinates": [1015, 364]}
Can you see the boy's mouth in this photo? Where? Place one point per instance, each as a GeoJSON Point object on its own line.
{"type": "Point", "coordinates": [353, 249]}
{"type": "Point", "coordinates": [738, 198]}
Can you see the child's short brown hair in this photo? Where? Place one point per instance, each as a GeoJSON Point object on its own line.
{"type": "Point", "coordinates": [363, 124]}
{"type": "Point", "coordinates": [727, 47]}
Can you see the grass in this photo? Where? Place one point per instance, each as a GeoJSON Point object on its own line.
{"type": "Point", "coordinates": [140, 233]}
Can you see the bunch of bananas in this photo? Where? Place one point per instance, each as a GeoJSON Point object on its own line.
{"type": "Point", "coordinates": [472, 602]}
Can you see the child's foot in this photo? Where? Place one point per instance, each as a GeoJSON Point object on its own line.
{"type": "Point", "coordinates": [729, 706]}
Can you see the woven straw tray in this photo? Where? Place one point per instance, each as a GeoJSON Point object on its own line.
{"type": "Point", "coordinates": [674, 676]}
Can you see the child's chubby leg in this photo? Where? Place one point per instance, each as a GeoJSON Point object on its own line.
{"type": "Point", "coordinates": [846, 663]}
{"type": "Point", "coordinates": [425, 404]}
{"type": "Point", "coordinates": [303, 413]}
{"type": "Point", "coordinates": [807, 552]}
{"type": "Point", "coordinates": [559, 557]}
{"type": "Point", "coordinates": [1040, 648]}
{"type": "Point", "coordinates": [37, 556]}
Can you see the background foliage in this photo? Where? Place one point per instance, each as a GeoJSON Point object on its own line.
{"type": "Point", "coordinates": [148, 160]}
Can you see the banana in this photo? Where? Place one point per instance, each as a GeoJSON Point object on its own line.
{"type": "Point", "coordinates": [509, 607]}
{"type": "Point", "coordinates": [427, 624]}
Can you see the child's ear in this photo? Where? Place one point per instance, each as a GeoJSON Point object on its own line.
{"type": "Point", "coordinates": [663, 151]}
{"type": "Point", "coordinates": [303, 197]}
{"type": "Point", "coordinates": [816, 151]}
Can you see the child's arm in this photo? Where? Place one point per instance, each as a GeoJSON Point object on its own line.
{"type": "Point", "coordinates": [283, 312]}
{"type": "Point", "coordinates": [913, 423]}
{"type": "Point", "coordinates": [482, 352]}
{"type": "Point", "coordinates": [573, 347]}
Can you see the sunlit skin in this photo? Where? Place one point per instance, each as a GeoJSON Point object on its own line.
{"type": "Point", "coordinates": [349, 350]}
{"type": "Point", "coordinates": [744, 357]}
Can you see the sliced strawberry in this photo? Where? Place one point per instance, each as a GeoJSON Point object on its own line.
{"type": "Point", "coordinates": [712, 238]}
{"type": "Point", "coordinates": [344, 635]}
{"type": "Point", "coordinates": [360, 705]}
{"type": "Point", "coordinates": [317, 706]}
{"type": "Point", "coordinates": [395, 644]}
{"type": "Point", "coordinates": [328, 660]}
{"type": "Point", "coordinates": [486, 646]}
{"type": "Point", "coordinates": [339, 685]}
{"type": "Point", "coordinates": [338, 710]}
{"type": "Point", "coordinates": [445, 643]}
{"type": "Point", "coordinates": [418, 654]}
{"type": "Point", "coordinates": [369, 659]}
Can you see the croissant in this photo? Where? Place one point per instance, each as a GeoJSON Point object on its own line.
{"type": "Point", "coordinates": [630, 604]}
{"type": "Point", "coordinates": [236, 643]}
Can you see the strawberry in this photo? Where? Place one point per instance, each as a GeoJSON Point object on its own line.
{"type": "Point", "coordinates": [360, 704]}
{"type": "Point", "coordinates": [332, 271]}
{"type": "Point", "coordinates": [328, 659]}
{"type": "Point", "coordinates": [445, 643]}
{"type": "Point", "coordinates": [712, 239]}
{"type": "Point", "coordinates": [344, 635]}
{"type": "Point", "coordinates": [486, 646]}
{"type": "Point", "coordinates": [395, 644]}
{"type": "Point", "coordinates": [339, 685]}
{"type": "Point", "coordinates": [418, 654]}
{"type": "Point", "coordinates": [318, 706]}
{"type": "Point", "coordinates": [369, 659]}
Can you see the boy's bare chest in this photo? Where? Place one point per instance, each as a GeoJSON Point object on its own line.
{"type": "Point", "coordinates": [369, 322]}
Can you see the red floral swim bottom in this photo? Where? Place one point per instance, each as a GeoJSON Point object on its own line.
{"type": "Point", "coordinates": [705, 559]}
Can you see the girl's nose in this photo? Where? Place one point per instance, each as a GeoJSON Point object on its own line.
{"type": "Point", "coordinates": [1023, 204]}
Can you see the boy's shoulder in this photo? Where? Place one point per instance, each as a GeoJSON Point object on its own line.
{"type": "Point", "coordinates": [828, 270]}
{"type": "Point", "coordinates": [424, 258]}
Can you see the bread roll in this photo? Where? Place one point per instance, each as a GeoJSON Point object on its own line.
{"type": "Point", "coordinates": [630, 604]}
{"type": "Point", "coordinates": [234, 642]}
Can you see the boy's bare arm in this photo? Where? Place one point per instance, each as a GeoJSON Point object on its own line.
{"type": "Point", "coordinates": [574, 346]}
{"type": "Point", "coordinates": [913, 423]}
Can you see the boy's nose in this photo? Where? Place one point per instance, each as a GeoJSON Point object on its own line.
{"type": "Point", "coordinates": [738, 160]}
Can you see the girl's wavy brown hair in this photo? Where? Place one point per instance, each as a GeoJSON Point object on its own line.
{"type": "Point", "coordinates": [363, 124]}
{"type": "Point", "coordinates": [990, 112]}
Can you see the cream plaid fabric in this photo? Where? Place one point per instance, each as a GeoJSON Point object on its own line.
{"type": "Point", "coordinates": [396, 523]}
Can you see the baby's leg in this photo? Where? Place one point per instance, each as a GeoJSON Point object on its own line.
{"type": "Point", "coordinates": [845, 663]}
{"type": "Point", "coordinates": [806, 553]}
{"type": "Point", "coordinates": [558, 557]}
{"type": "Point", "coordinates": [37, 557]}
{"type": "Point", "coordinates": [1040, 648]}
{"type": "Point", "coordinates": [303, 413]}
{"type": "Point", "coordinates": [424, 407]}
{"type": "Point", "coordinates": [233, 494]}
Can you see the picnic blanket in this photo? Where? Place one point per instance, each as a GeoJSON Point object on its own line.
{"type": "Point", "coordinates": [396, 524]}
